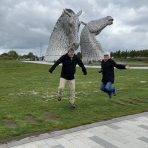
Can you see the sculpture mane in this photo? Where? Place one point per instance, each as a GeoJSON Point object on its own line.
{"type": "Point", "coordinates": [64, 35]}
{"type": "Point", "coordinates": [91, 49]}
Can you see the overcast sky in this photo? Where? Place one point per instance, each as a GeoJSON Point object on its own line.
{"type": "Point", "coordinates": [26, 25]}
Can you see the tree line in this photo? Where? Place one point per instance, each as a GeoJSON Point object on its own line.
{"type": "Point", "coordinates": [130, 54]}
{"type": "Point", "coordinates": [13, 55]}
{"type": "Point", "coordinates": [126, 54]}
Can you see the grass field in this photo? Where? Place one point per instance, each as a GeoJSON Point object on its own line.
{"type": "Point", "coordinates": [28, 98]}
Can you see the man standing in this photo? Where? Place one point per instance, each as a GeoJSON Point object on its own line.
{"type": "Point", "coordinates": [107, 69]}
{"type": "Point", "coordinates": [69, 62]}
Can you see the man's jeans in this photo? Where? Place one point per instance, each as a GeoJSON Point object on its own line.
{"type": "Point", "coordinates": [108, 88]}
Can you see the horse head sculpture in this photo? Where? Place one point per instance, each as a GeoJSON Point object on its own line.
{"type": "Point", "coordinates": [65, 35]}
{"type": "Point", "coordinates": [90, 47]}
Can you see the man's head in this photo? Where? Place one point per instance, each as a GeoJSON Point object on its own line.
{"type": "Point", "coordinates": [106, 56]}
{"type": "Point", "coordinates": [71, 52]}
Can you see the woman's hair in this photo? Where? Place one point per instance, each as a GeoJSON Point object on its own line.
{"type": "Point", "coordinates": [71, 49]}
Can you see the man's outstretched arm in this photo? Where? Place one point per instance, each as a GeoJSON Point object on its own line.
{"type": "Point", "coordinates": [52, 68]}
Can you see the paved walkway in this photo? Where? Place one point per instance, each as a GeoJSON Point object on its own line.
{"type": "Point", "coordinates": [124, 132]}
{"type": "Point", "coordinates": [87, 66]}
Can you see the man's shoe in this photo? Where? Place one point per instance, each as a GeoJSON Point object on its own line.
{"type": "Point", "coordinates": [73, 105]}
{"type": "Point", "coordinates": [59, 98]}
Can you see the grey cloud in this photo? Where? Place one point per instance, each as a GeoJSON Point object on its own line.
{"type": "Point", "coordinates": [123, 3]}
{"type": "Point", "coordinates": [141, 30]}
{"type": "Point", "coordinates": [140, 20]}
{"type": "Point", "coordinates": [25, 24]}
{"type": "Point", "coordinates": [23, 27]}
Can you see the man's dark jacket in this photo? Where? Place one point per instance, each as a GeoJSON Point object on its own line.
{"type": "Point", "coordinates": [68, 66]}
{"type": "Point", "coordinates": [107, 69]}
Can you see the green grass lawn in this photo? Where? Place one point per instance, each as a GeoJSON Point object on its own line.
{"type": "Point", "coordinates": [28, 98]}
